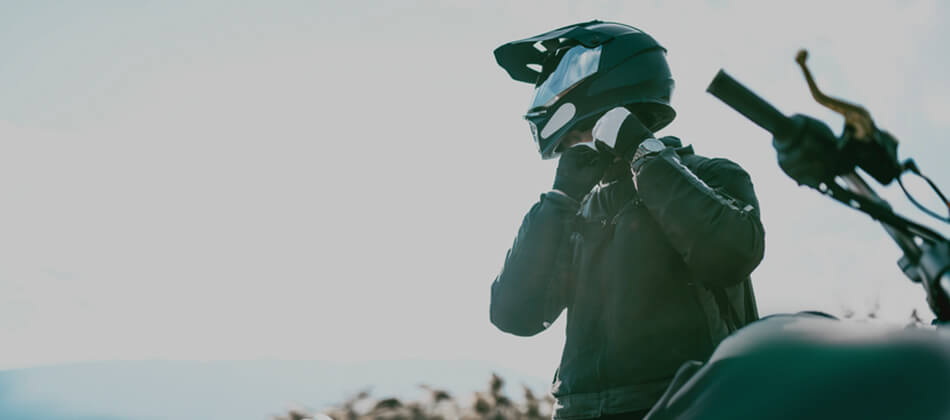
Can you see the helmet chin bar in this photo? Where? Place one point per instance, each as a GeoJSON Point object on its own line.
{"type": "Point", "coordinates": [653, 115]}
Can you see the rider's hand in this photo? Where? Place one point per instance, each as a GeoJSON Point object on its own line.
{"type": "Point", "coordinates": [620, 132]}
{"type": "Point", "coordinates": [579, 169]}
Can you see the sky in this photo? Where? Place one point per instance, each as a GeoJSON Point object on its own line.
{"type": "Point", "coordinates": [340, 181]}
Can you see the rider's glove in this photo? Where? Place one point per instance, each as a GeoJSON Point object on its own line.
{"type": "Point", "coordinates": [620, 132]}
{"type": "Point", "coordinates": [579, 169]}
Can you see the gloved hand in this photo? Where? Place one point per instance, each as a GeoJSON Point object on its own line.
{"type": "Point", "coordinates": [579, 169]}
{"type": "Point", "coordinates": [620, 132]}
{"type": "Point", "coordinates": [809, 153]}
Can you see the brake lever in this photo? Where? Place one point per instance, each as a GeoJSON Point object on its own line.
{"type": "Point", "coordinates": [874, 150]}
{"type": "Point", "coordinates": [855, 116]}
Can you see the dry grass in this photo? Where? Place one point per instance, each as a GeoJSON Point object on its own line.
{"type": "Point", "coordinates": [491, 404]}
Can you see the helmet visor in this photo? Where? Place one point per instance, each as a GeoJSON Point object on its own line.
{"type": "Point", "coordinates": [578, 63]}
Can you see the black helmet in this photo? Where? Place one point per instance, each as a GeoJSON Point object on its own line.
{"type": "Point", "coordinates": [581, 71]}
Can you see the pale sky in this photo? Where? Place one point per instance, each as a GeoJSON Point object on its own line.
{"type": "Point", "coordinates": [341, 180]}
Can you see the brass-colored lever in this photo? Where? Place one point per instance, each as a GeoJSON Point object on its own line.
{"type": "Point", "coordinates": [855, 116]}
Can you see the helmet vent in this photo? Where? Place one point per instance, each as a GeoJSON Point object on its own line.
{"type": "Point", "coordinates": [561, 117]}
{"type": "Point", "coordinates": [534, 66]}
{"type": "Point", "coordinates": [540, 47]}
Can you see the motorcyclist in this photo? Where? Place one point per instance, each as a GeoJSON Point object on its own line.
{"type": "Point", "coordinates": [648, 245]}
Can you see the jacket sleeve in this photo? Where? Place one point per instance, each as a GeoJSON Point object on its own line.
{"type": "Point", "coordinates": [711, 219]}
{"type": "Point", "coordinates": [531, 290]}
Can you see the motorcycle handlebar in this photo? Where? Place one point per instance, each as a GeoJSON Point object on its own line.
{"type": "Point", "coordinates": [810, 154]}
{"type": "Point", "coordinates": [747, 103]}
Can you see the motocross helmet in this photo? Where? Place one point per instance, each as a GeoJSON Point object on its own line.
{"type": "Point", "coordinates": [583, 70]}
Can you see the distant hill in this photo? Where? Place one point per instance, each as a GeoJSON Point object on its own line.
{"type": "Point", "coordinates": [165, 390]}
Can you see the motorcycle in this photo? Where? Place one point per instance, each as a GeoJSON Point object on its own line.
{"type": "Point", "coordinates": [812, 365]}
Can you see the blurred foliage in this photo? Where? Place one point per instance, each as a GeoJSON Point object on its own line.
{"type": "Point", "coordinates": [491, 404]}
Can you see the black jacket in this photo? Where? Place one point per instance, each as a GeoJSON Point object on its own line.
{"type": "Point", "coordinates": [652, 276]}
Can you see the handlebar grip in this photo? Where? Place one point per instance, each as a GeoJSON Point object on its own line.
{"type": "Point", "coordinates": [749, 104]}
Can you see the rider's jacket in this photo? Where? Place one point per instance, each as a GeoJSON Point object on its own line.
{"type": "Point", "coordinates": [651, 276]}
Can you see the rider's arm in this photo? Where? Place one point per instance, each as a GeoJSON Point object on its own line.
{"type": "Point", "coordinates": [531, 290]}
{"type": "Point", "coordinates": [711, 217]}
